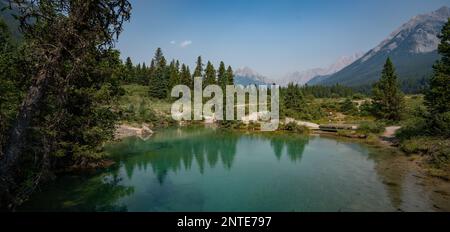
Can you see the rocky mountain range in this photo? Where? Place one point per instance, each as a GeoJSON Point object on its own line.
{"type": "Point", "coordinates": [412, 48]}
{"type": "Point", "coordinates": [247, 76]}
{"type": "Point", "coordinates": [304, 77]}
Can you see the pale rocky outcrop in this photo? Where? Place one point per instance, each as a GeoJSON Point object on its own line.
{"type": "Point", "coordinates": [124, 131]}
{"type": "Point", "coordinates": [309, 125]}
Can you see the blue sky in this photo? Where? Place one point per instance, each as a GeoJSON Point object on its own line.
{"type": "Point", "coordinates": [271, 37]}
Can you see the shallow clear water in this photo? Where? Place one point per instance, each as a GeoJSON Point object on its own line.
{"type": "Point", "coordinates": [201, 169]}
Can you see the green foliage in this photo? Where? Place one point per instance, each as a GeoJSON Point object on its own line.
{"type": "Point", "coordinates": [161, 77]}
{"type": "Point", "coordinates": [388, 99]}
{"type": "Point", "coordinates": [437, 149]}
{"type": "Point", "coordinates": [222, 78]}
{"type": "Point", "coordinates": [136, 107]}
{"type": "Point", "coordinates": [210, 75]}
{"type": "Point", "coordinates": [412, 127]}
{"type": "Point", "coordinates": [159, 81]}
{"type": "Point", "coordinates": [230, 76]}
{"type": "Point", "coordinates": [12, 81]}
{"type": "Point", "coordinates": [186, 78]}
{"type": "Point", "coordinates": [198, 72]}
{"type": "Point", "coordinates": [335, 91]}
{"type": "Point", "coordinates": [174, 75]}
{"type": "Point", "coordinates": [235, 125]}
{"type": "Point", "coordinates": [365, 109]}
{"type": "Point", "coordinates": [294, 127]}
{"type": "Point", "coordinates": [348, 107]}
{"type": "Point", "coordinates": [370, 127]}
{"type": "Point", "coordinates": [293, 98]}
{"type": "Point", "coordinates": [67, 99]}
{"type": "Point", "coordinates": [129, 71]}
{"type": "Point", "coordinates": [294, 104]}
{"type": "Point", "coordinates": [437, 98]}
{"type": "Point", "coordinates": [87, 119]}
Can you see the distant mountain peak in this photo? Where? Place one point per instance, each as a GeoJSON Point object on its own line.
{"type": "Point", "coordinates": [412, 48]}
{"type": "Point", "coordinates": [249, 73]}
{"type": "Point", "coordinates": [304, 77]}
{"type": "Point", "coordinates": [443, 11]}
{"type": "Point", "coordinates": [421, 31]}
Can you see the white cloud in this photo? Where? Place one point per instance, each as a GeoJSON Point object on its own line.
{"type": "Point", "coordinates": [173, 42]}
{"type": "Point", "coordinates": [185, 43]}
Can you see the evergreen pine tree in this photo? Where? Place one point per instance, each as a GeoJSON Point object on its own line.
{"type": "Point", "coordinates": [293, 98]}
{"type": "Point", "coordinates": [437, 98]}
{"type": "Point", "coordinates": [388, 101]}
{"type": "Point", "coordinates": [137, 75]}
{"type": "Point", "coordinates": [230, 76]}
{"type": "Point", "coordinates": [159, 56]}
{"type": "Point", "coordinates": [174, 76]}
{"type": "Point", "coordinates": [159, 81]}
{"type": "Point", "coordinates": [150, 72]}
{"type": "Point", "coordinates": [129, 70]}
{"type": "Point", "coordinates": [222, 78]}
{"type": "Point", "coordinates": [210, 75]}
{"type": "Point", "coordinates": [198, 72]}
{"type": "Point", "coordinates": [186, 76]}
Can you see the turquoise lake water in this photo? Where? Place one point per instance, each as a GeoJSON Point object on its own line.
{"type": "Point", "coordinates": [205, 169]}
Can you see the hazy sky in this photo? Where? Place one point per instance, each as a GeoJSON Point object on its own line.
{"type": "Point", "coordinates": [271, 37]}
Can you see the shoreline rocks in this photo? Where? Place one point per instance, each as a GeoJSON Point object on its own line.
{"type": "Point", "coordinates": [124, 131]}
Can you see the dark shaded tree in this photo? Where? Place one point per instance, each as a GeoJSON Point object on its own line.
{"type": "Point", "coordinates": [174, 75]}
{"type": "Point", "coordinates": [198, 72]}
{"type": "Point", "coordinates": [222, 77]}
{"type": "Point", "coordinates": [186, 78]}
{"type": "Point", "coordinates": [67, 40]}
{"type": "Point", "coordinates": [437, 98]}
{"type": "Point", "coordinates": [159, 81]}
{"type": "Point", "coordinates": [230, 76]}
{"type": "Point", "coordinates": [388, 99]}
{"type": "Point", "coordinates": [210, 75]}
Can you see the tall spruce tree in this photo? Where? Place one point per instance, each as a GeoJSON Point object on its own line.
{"type": "Point", "coordinates": [129, 70]}
{"type": "Point", "coordinates": [210, 75]}
{"type": "Point", "coordinates": [437, 98]}
{"type": "Point", "coordinates": [150, 72]}
{"type": "Point", "coordinates": [388, 99]}
{"type": "Point", "coordinates": [159, 81]}
{"type": "Point", "coordinates": [222, 78]}
{"type": "Point", "coordinates": [230, 76]}
{"type": "Point", "coordinates": [174, 75]}
{"type": "Point", "coordinates": [198, 72]}
{"type": "Point", "coordinates": [186, 76]}
{"type": "Point", "coordinates": [293, 98]}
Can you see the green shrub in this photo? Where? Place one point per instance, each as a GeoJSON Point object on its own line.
{"type": "Point", "coordinates": [440, 124]}
{"type": "Point", "coordinates": [358, 96]}
{"type": "Point", "coordinates": [348, 107]}
{"type": "Point", "coordinates": [437, 149]}
{"type": "Point", "coordinates": [371, 128]}
{"type": "Point", "coordinates": [365, 109]}
{"type": "Point", "coordinates": [294, 127]}
{"type": "Point", "coordinates": [412, 127]}
{"type": "Point", "coordinates": [372, 139]}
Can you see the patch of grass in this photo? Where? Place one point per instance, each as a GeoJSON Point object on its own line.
{"type": "Point", "coordinates": [136, 106]}
{"type": "Point", "coordinates": [437, 149]}
{"type": "Point", "coordinates": [371, 127]}
{"type": "Point", "coordinates": [372, 139]}
{"type": "Point", "coordinates": [294, 127]}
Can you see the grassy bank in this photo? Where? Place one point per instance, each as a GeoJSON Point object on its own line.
{"type": "Point", "coordinates": [137, 107]}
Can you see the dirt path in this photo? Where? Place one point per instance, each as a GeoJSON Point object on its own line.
{"type": "Point", "coordinates": [390, 131]}
{"type": "Point", "coordinates": [388, 136]}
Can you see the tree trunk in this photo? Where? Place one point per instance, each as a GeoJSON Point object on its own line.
{"type": "Point", "coordinates": [15, 144]}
